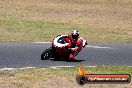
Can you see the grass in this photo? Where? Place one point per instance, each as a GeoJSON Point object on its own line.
{"type": "Point", "coordinates": [16, 30]}
{"type": "Point", "coordinates": [49, 77]}
{"type": "Point", "coordinates": [101, 21]}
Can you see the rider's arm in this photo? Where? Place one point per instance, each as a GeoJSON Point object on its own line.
{"type": "Point", "coordinates": [81, 43]}
{"type": "Point", "coordinates": [78, 46]}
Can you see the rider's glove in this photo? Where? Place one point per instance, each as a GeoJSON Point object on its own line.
{"type": "Point", "coordinates": [85, 43]}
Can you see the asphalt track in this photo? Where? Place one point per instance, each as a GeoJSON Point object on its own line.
{"type": "Point", "coordinates": [18, 55]}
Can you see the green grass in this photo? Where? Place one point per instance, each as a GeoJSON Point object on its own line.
{"type": "Point", "coordinates": [101, 21]}
{"type": "Point", "coordinates": [20, 30]}
{"type": "Point", "coordinates": [46, 77]}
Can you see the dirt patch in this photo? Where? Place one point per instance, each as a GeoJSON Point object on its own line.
{"type": "Point", "coordinates": [109, 13]}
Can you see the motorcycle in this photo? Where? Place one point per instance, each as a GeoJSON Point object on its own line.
{"type": "Point", "coordinates": [60, 49]}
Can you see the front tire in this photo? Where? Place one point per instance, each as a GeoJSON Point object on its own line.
{"type": "Point", "coordinates": [46, 54]}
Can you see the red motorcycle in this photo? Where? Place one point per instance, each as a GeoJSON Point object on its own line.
{"type": "Point", "coordinates": [60, 49]}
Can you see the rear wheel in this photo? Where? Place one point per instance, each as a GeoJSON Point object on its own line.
{"type": "Point", "coordinates": [46, 54]}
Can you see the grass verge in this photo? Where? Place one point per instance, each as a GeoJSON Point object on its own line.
{"type": "Point", "coordinates": [18, 30]}
{"type": "Point", "coordinates": [104, 21]}
{"type": "Point", "coordinates": [56, 77]}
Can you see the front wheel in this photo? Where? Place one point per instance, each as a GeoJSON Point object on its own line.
{"type": "Point", "coordinates": [46, 54]}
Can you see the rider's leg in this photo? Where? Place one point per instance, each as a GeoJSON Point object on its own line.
{"type": "Point", "coordinates": [72, 55]}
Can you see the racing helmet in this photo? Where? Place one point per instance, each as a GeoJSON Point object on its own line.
{"type": "Point", "coordinates": [75, 34]}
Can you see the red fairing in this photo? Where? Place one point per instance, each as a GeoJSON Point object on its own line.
{"type": "Point", "coordinates": [67, 40]}
{"type": "Point", "coordinates": [61, 51]}
{"type": "Point", "coordinates": [76, 47]}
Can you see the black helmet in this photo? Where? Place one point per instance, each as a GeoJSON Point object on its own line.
{"type": "Point", "coordinates": [75, 34]}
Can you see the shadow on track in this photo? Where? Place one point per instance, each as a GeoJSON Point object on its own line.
{"type": "Point", "coordinates": [74, 60]}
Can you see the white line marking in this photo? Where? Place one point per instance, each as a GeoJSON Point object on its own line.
{"type": "Point", "coordinates": [54, 67]}
{"type": "Point", "coordinates": [61, 66]}
{"type": "Point", "coordinates": [27, 68]}
{"type": "Point", "coordinates": [89, 46]}
{"type": "Point", "coordinates": [4, 69]}
{"type": "Point", "coordinates": [40, 42]}
{"type": "Point", "coordinates": [57, 67]}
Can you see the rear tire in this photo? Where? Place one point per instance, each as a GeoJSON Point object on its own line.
{"type": "Point", "coordinates": [46, 54]}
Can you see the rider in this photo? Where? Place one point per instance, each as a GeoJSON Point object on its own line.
{"type": "Point", "coordinates": [76, 43]}
{"type": "Point", "coordinates": [74, 40]}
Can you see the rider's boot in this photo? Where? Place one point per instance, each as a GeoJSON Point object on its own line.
{"type": "Point", "coordinates": [71, 57]}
